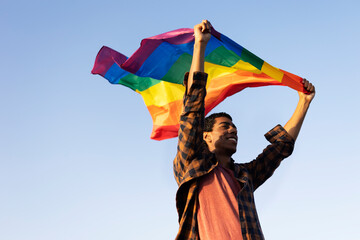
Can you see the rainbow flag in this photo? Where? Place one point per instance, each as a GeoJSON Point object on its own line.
{"type": "Point", "coordinates": [156, 71]}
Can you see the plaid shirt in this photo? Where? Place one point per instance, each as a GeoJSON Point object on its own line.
{"type": "Point", "coordinates": [194, 160]}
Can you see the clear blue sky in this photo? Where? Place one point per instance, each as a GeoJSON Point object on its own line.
{"type": "Point", "coordinates": [76, 160]}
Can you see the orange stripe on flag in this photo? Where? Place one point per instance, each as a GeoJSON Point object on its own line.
{"type": "Point", "coordinates": [225, 86]}
{"type": "Point", "coordinates": [167, 114]}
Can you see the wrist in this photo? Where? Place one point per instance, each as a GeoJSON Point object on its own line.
{"type": "Point", "coordinates": [200, 44]}
{"type": "Point", "coordinates": [304, 101]}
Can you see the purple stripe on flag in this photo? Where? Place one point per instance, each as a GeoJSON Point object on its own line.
{"type": "Point", "coordinates": [179, 36]}
{"type": "Point", "coordinates": [215, 33]}
{"type": "Point", "coordinates": [105, 59]}
{"type": "Point", "coordinates": [148, 45]}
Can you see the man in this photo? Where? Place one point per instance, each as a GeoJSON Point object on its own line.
{"type": "Point", "coordinates": [215, 197]}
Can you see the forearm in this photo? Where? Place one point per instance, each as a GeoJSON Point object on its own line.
{"type": "Point", "coordinates": [198, 60]}
{"type": "Point", "coordinates": [282, 145]}
{"type": "Point", "coordinates": [294, 124]}
{"type": "Point", "coordinates": [191, 129]}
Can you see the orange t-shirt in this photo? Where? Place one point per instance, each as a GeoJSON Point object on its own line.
{"type": "Point", "coordinates": [218, 211]}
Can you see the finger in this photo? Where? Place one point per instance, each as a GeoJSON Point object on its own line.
{"type": "Point", "coordinates": [208, 24]}
{"type": "Point", "coordinates": [197, 27]}
{"type": "Point", "coordinates": [312, 89]}
{"type": "Point", "coordinates": [305, 83]}
{"type": "Point", "coordinates": [203, 26]}
{"type": "Point", "coordinates": [309, 86]}
{"type": "Point", "coordinates": [207, 30]}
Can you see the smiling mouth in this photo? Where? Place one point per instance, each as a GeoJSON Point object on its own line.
{"type": "Point", "coordinates": [232, 139]}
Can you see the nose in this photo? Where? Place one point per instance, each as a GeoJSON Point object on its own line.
{"type": "Point", "coordinates": [233, 129]}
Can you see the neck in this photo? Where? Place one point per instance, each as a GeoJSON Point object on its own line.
{"type": "Point", "coordinates": [223, 159]}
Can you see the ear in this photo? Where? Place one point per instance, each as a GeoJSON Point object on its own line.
{"type": "Point", "coordinates": [207, 137]}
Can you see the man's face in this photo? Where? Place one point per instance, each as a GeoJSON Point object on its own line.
{"type": "Point", "coordinates": [223, 137]}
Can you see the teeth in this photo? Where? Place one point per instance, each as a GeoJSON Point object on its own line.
{"type": "Point", "coordinates": [232, 139]}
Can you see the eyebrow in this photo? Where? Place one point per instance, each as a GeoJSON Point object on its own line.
{"type": "Point", "coordinates": [227, 123]}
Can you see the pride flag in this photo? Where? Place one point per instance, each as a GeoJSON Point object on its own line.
{"type": "Point", "coordinates": [156, 71]}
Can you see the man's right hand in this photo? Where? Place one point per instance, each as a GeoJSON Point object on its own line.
{"type": "Point", "coordinates": [202, 32]}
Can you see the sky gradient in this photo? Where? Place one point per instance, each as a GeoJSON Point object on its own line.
{"type": "Point", "coordinates": [76, 158]}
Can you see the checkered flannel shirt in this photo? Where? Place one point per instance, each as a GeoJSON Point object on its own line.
{"type": "Point", "coordinates": [194, 160]}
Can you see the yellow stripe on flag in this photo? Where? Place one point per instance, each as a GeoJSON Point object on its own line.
{"type": "Point", "coordinates": [163, 93]}
{"type": "Point", "coordinates": [272, 72]}
{"type": "Point", "coordinates": [241, 65]}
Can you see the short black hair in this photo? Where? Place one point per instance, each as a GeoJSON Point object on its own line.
{"type": "Point", "coordinates": [210, 120]}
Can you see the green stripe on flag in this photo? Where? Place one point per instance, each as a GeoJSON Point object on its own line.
{"type": "Point", "coordinates": [222, 56]}
{"type": "Point", "coordinates": [137, 83]}
{"type": "Point", "coordinates": [251, 58]}
{"type": "Point", "coordinates": [178, 69]}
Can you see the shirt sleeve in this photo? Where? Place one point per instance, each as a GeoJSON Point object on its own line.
{"type": "Point", "coordinates": [282, 145]}
{"type": "Point", "coordinates": [191, 125]}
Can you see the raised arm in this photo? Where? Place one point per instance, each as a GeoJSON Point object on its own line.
{"type": "Point", "coordinates": [202, 36]}
{"type": "Point", "coordinates": [293, 126]}
{"type": "Point", "coordinates": [192, 118]}
{"type": "Point", "coordinates": [282, 141]}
